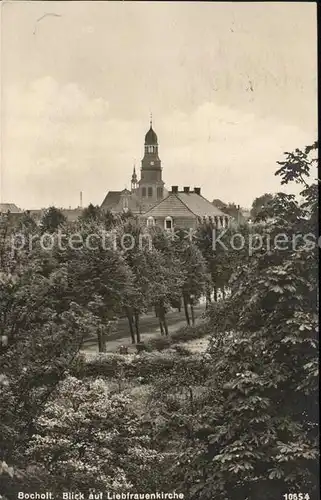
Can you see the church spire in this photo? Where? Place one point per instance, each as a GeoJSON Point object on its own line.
{"type": "Point", "coordinates": [134, 179]}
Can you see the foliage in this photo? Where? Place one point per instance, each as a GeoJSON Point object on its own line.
{"type": "Point", "coordinates": [223, 254]}
{"type": "Point", "coordinates": [144, 367]}
{"type": "Point", "coordinates": [264, 358]}
{"type": "Point", "coordinates": [41, 343]}
{"type": "Point", "coordinates": [238, 422]}
{"type": "Point", "coordinates": [94, 213]}
{"type": "Point", "coordinates": [184, 334]}
{"type": "Point", "coordinates": [259, 204]}
{"type": "Point", "coordinates": [89, 439]}
{"type": "Point", "coordinates": [52, 220]}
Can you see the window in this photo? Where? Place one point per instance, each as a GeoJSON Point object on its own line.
{"type": "Point", "coordinates": [150, 149]}
{"type": "Point", "coordinates": [144, 192]}
{"type": "Point", "coordinates": [168, 223]}
{"type": "Point", "coordinates": [150, 192]}
{"type": "Point", "coordinates": [150, 221]}
{"type": "Point", "coordinates": [125, 204]}
{"type": "Point", "coordinates": [159, 193]}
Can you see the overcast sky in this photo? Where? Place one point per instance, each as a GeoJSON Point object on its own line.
{"type": "Point", "coordinates": [230, 85]}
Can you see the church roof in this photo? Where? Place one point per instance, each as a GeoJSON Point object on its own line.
{"type": "Point", "coordinates": [111, 200]}
{"type": "Point", "coordinates": [114, 201]}
{"type": "Point", "coordinates": [183, 204]}
{"type": "Point", "coordinates": [151, 137]}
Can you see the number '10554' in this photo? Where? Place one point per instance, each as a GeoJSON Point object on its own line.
{"type": "Point", "coordinates": [296, 496]}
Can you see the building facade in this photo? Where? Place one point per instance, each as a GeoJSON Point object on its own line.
{"type": "Point", "coordinates": [145, 192]}
{"type": "Point", "coordinates": [184, 209]}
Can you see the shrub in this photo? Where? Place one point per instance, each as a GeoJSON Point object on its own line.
{"type": "Point", "coordinates": [88, 438]}
{"type": "Point", "coordinates": [181, 350]}
{"type": "Point", "coordinates": [145, 367]}
{"type": "Point", "coordinates": [105, 365]}
{"type": "Point", "coordinates": [158, 344]}
{"type": "Point", "coordinates": [184, 334]}
{"type": "Point", "coordinates": [187, 333]}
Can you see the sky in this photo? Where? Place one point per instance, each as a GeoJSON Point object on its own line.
{"type": "Point", "coordinates": [231, 86]}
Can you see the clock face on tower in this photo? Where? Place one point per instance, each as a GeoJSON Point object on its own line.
{"type": "Point", "coordinates": [152, 163]}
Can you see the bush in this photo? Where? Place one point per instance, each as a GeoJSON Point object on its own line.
{"type": "Point", "coordinates": [187, 333]}
{"type": "Point", "coordinates": [184, 334]}
{"type": "Point", "coordinates": [181, 350]}
{"type": "Point", "coordinates": [146, 366]}
{"type": "Point", "coordinates": [105, 365]}
{"type": "Point", "coordinates": [90, 439]}
{"type": "Point", "coordinates": [158, 344]}
{"type": "Point", "coordinates": [112, 365]}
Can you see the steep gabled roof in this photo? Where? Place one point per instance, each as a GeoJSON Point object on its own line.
{"type": "Point", "coordinates": [183, 204]}
{"type": "Point", "coordinates": [111, 200]}
{"type": "Point", "coordinates": [171, 205]}
{"type": "Point", "coordinates": [114, 201]}
{"type": "Point", "coordinates": [199, 205]}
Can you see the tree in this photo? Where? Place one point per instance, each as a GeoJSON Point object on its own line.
{"type": "Point", "coordinates": [94, 214]}
{"type": "Point", "coordinates": [222, 255]}
{"type": "Point", "coordinates": [40, 345]}
{"type": "Point", "coordinates": [52, 220]}
{"type": "Point", "coordinates": [233, 210]}
{"type": "Point", "coordinates": [260, 203]}
{"type": "Point", "coordinates": [99, 279]}
{"type": "Point", "coordinates": [165, 285]}
{"type": "Point", "coordinates": [134, 254]}
{"type": "Point", "coordinates": [27, 222]}
{"type": "Point", "coordinates": [193, 270]}
{"type": "Point", "coordinates": [91, 213]}
{"type": "Point", "coordinates": [219, 203]}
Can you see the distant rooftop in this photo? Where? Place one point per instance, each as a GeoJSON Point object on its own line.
{"type": "Point", "coordinates": [9, 207]}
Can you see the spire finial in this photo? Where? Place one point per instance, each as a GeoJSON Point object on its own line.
{"type": "Point", "coordinates": [151, 120]}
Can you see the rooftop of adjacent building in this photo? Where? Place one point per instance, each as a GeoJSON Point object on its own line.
{"type": "Point", "coordinates": [9, 207]}
{"type": "Point", "coordinates": [180, 203]}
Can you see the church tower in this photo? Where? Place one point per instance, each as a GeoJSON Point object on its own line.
{"type": "Point", "coordinates": [151, 185]}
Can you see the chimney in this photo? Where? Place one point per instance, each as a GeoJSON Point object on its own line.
{"type": "Point", "coordinates": [186, 189]}
{"type": "Point", "coordinates": [174, 189]}
{"type": "Point", "coordinates": [197, 190]}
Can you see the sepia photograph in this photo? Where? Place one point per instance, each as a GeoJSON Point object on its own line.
{"type": "Point", "coordinates": [159, 246]}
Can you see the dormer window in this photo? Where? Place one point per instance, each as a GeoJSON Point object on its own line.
{"type": "Point", "coordinates": [125, 204]}
{"type": "Point", "coordinates": [168, 223]}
